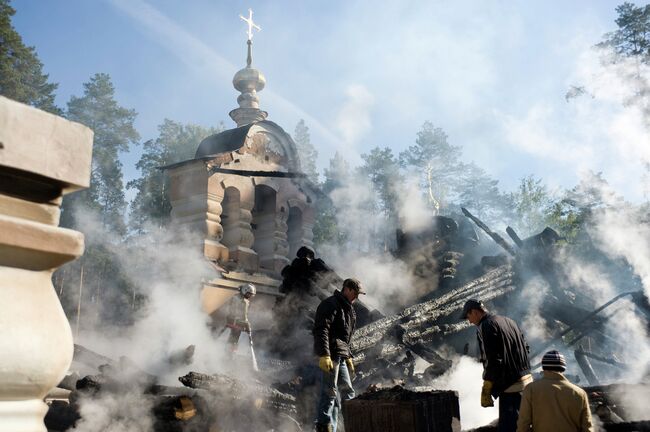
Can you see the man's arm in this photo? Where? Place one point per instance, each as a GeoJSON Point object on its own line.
{"type": "Point", "coordinates": [525, 420]}
{"type": "Point", "coordinates": [585, 416]}
{"type": "Point", "coordinates": [322, 322]}
{"type": "Point", "coordinates": [493, 352]}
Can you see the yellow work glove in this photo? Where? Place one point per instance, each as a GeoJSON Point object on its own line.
{"type": "Point", "coordinates": [486, 395]}
{"type": "Point", "coordinates": [350, 364]}
{"type": "Point", "coordinates": [325, 363]}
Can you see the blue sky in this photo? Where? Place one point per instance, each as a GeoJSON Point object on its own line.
{"type": "Point", "coordinates": [492, 74]}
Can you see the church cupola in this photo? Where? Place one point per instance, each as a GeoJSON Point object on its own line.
{"type": "Point", "coordinates": [248, 81]}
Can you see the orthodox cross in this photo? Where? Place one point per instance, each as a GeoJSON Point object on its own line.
{"type": "Point", "coordinates": [251, 24]}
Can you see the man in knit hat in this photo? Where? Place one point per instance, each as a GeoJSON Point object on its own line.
{"type": "Point", "coordinates": [553, 403]}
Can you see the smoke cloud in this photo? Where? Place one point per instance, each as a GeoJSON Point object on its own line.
{"type": "Point", "coordinates": [466, 377]}
{"type": "Point", "coordinates": [353, 120]}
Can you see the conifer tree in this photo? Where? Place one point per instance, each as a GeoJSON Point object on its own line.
{"type": "Point", "coordinates": [436, 162]}
{"type": "Point", "coordinates": [382, 169]}
{"type": "Point", "coordinates": [326, 228]}
{"type": "Point", "coordinates": [632, 38]}
{"type": "Point", "coordinates": [114, 133]}
{"type": "Point", "coordinates": [21, 72]}
{"type": "Point", "coordinates": [306, 151]}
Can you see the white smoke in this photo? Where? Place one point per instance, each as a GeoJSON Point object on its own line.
{"type": "Point", "coordinates": [126, 412]}
{"type": "Point", "coordinates": [353, 120]}
{"type": "Point", "coordinates": [603, 129]}
{"type": "Point", "coordinates": [466, 377]}
{"type": "Point", "coordinates": [534, 325]}
{"type": "Point", "coordinates": [414, 213]}
{"type": "Point", "coordinates": [167, 268]}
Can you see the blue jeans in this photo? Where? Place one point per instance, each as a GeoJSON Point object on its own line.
{"type": "Point", "coordinates": [509, 411]}
{"type": "Point", "coordinates": [335, 388]}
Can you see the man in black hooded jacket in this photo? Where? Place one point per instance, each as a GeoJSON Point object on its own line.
{"type": "Point", "coordinates": [333, 328]}
{"type": "Point", "coordinates": [504, 354]}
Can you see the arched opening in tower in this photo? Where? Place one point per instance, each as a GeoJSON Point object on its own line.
{"type": "Point", "coordinates": [294, 231]}
{"type": "Point", "coordinates": [264, 225]}
{"type": "Point", "coordinates": [230, 218]}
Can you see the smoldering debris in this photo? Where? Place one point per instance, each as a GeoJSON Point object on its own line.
{"type": "Point", "coordinates": [133, 399]}
{"type": "Point", "coordinates": [424, 343]}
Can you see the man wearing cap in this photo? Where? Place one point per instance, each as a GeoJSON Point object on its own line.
{"type": "Point", "coordinates": [552, 403]}
{"type": "Point", "coordinates": [333, 327]}
{"type": "Point", "coordinates": [504, 354]}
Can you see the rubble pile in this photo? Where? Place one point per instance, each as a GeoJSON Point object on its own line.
{"type": "Point", "coordinates": [206, 402]}
{"type": "Point", "coordinates": [409, 348]}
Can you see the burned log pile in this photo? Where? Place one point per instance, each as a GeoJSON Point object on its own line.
{"type": "Point", "coordinates": [204, 403]}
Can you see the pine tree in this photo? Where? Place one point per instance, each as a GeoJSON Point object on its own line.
{"type": "Point", "coordinates": [21, 72]}
{"type": "Point", "coordinates": [326, 228]}
{"type": "Point", "coordinates": [436, 162]}
{"type": "Point", "coordinates": [175, 143]}
{"type": "Point", "coordinates": [632, 38]}
{"type": "Point", "coordinates": [306, 151]}
{"type": "Point", "coordinates": [631, 41]}
{"type": "Point", "coordinates": [114, 133]}
{"type": "Point", "coordinates": [480, 193]}
{"type": "Point", "coordinates": [531, 204]}
{"type": "Point", "coordinates": [381, 167]}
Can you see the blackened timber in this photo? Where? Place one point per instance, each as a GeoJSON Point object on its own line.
{"type": "Point", "coordinates": [494, 236]}
{"type": "Point", "coordinates": [90, 358]}
{"type": "Point", "coordinates": [515, 238]}
{"type": "Point", "coordinates": [586, 368]}
{"type": "Point", "coordinates": [235, 389]}
{"type": "Point", "coordinates": [419, 322]}
{"type": "Point", "coordinates": [603, 359]}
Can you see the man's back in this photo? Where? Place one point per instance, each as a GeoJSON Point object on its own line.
{"type": "Point", "coordinates": [554, 404]}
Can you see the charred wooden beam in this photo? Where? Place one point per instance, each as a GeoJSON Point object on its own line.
{"type": "Point", "coordinates": [182, 357]}
{"type": "Point", "coordinates": [586, 367]}
{"type": "Point", "coordinates": [603, 359]}
{"type": "Point", "coordinates": [90, 358]}
{"type": "Point", "coordinates": [494, 236]}
{"type": "Point", "coordinates": [228, 387]}
{"type": "Point", "coordinates": [513, 235]}
{"type": "Point", "coordinates": [422, 322]}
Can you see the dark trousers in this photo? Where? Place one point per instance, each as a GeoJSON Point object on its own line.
{"type": "Point", "coordinates": [509, 411]}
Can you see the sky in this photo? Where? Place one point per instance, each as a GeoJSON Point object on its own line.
{"type": "Point", "coordinates": [362, 74]}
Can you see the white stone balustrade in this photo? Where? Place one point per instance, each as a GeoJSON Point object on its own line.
{"type": "Point", "coordinates": [42, 157]}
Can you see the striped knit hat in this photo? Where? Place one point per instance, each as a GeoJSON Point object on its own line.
{"type": "Point", "coordinates": [553, 361]}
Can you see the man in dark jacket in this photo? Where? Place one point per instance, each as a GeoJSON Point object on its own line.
{"type": "Point", "coordinates": [504, 354]}
{"type": "Point", "coordinates": [333, 327]}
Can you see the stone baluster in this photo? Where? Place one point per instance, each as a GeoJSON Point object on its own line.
{"type": "Point", "coordinates": [42, 158]}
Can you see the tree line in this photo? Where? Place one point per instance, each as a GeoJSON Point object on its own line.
{"type": "Point", "coordinates": [95, 288]}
